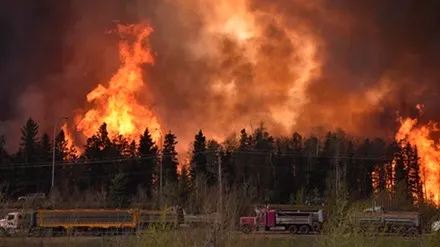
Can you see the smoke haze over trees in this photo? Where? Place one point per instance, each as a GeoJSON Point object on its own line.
{"type": "Point", "coordinates": [371, 58]}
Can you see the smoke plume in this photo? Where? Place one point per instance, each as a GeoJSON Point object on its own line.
{"type": "Point", "coordinates": [225, 65]}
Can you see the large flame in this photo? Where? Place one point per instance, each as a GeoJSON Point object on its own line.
{"type": "Point", "coordinates": [429, 153]}
{"type": "Point", "coordinates": [117, 104]}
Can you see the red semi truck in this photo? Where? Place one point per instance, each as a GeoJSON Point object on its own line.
{"type": "Point", "coordinates": [296, 222]}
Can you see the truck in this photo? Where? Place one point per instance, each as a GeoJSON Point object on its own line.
{"type": "Point", "coordinates": [377, 219]}
{"type": "Point", "coordinates": [85, 221]}
{"type": "Point", "coordinates": [294, 221]}
{"type": "Point", "coordinates": [60, 222]}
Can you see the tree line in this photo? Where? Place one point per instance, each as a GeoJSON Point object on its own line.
{"type": "Point", "coordinates": [290, 169]}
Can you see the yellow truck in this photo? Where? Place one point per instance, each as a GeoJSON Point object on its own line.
{"type": "Point", "coordinates": [84, 221]}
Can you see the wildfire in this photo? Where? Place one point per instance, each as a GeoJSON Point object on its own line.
{"type": "Point", "coordinates": [70, 139]}
{"type": "Point", "coordinates": [429, 153]}
{"type": "Point", "coordinates": [117, 104]}
{"type": "Point", "coordinates": [283, 59]}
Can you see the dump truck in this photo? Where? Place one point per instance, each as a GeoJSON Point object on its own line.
{"type": "Point", "coordinates": [86, 221]}
{"type": "Point", "coordinates": [377, 219]}
{"type": "Point", "coordinates": [59, 222]}
{"type": "Point", "coordinates": [294, 221]}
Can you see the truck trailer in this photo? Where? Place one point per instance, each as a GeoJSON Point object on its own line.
{"type": "Point", "coordinates": [85, 221]}
{"type": "Point", "coordinates": [379, 220]}
{"type": "Point", "coordinates": [296, 222]}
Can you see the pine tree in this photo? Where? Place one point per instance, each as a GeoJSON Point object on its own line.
{"type": "Point", "coordinates": [401, 166]}
{"type": "Point", "coordinates": [6, 171]}
{"type": "Point", "coordinates": [2, 149]}
{"type": "Point", "coordinates": [99, 147]}
{"type": "Point", "coordinates": [401, 186]}
{"type": "Point", "coordinates": [184, 187]}
{"type": "Point", "coordinates": [212, 160]}
{"type": "Point", "coordinates": [45, 172]}
{"type": "Point", "coordinates": [29, 141]}
{"type": "Point", "coordinates": [228, 168]}
{"type": "Point", "coordinates": [169, 160]}
{"type": "Point", "coordinates": [28, 154]}
{"type": "Point", "coordinates": [242, 157]}
{"type": "Point", "coordinates": [199, 161]}
{"type": "Point", "coordinates": [61, 147]}
{"type": "Point", "coordinates": [120, 147]}
{"type": "Point", "coordinates": [297, 168]}
{"type": "Point", "coordinates": [311, 152]}
{"type": "Point", "coordinates": [119, 190]}
{"type": "Point", "coordinates": [414, 180]}
{"type": "Point", "coordinates": [262, 163]}
{"type": "Point", "coordinates": [144, 169]}
{"type": "Point", "coordinates": [284, 160]}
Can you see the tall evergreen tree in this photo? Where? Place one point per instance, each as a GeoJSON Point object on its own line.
{"type": "Point", "coordinates": [284, 160]}
{"type": "Point", "coordinates": [119, 190]}
{"type": "Point", "coordinates": [61, 147]}
{"type": "Point", "coordinates": [29, 141]}
{"type": "Point", "coordinates": [242, 157]}
{"type": "Point", "coordinates": [199, 161]}
{"type": "Point", "coordinates": [44, 172]}
{"type": "Point", "coordinates": [414, 181]}
{"type": "Point", "coordinates": [298, 166]}
{"type": "Point", "coordinates": [99, 148]}
{"type": "Point", "coordinates": [69, 175]}
{"type": "Point", "coordinates": [311, 152]}
{"type": "Point", "coordinates": [402, 192]}
{"type": "Point", "coordinates": [6, 171]}
{"type": "Point", "coordinates": [28, 154]}
{"type": "Point", "coordinates": [228, 168]}
{"type": "Point", "coordinates": [212, 161]}
{"type": "Point", "coordinates": [169, 159]}
{"type": "Point", "coordinates": [326, 164]}
{"type": "Point", "coordinates": [143, 172]}
{"type": "Point", "coordinates": [262, 163]}
{"type": "Point", "coordinates": [184, 187]}
{"type": "Point", "coordinates": [3, 153]}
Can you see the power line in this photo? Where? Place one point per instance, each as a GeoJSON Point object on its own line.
{"type": "Point", "coordinates": [148, 157]}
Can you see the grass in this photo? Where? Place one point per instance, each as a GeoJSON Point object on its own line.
{"type": "Point", "coordinates": [205, 237]}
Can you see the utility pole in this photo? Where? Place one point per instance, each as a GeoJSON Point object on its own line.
{"type": "Point", "coordinates": [160, 170]}
{"type": "Point", "coordinates": [220, 185]}
{"type": "Point", "coordinates": [337, 168]}
{"type": "Point", "coordinates": [53, 149]}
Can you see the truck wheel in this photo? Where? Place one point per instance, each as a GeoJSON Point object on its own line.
{"type": "Point", "coordinates": [293, 229]}
{"type": "Point", "coordinates": [246, 229]}
{"type": "Point", "coordinates": [400, 230]}
{"type": "Point", "coordinates": [304, 229]}
{"type": "Point", "coordinates": [316, 227]}
{"type": "Point", "coordinates": [412, 231]}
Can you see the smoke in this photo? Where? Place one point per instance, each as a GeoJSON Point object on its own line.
{"type": "Point", "coordinates": [228, 64]}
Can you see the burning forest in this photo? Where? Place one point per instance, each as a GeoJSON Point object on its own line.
{"type": "Point", "coordinates": [186, 84]}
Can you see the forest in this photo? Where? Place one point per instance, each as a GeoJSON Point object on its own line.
{"type": "Point", "coordinates": [290, 169]}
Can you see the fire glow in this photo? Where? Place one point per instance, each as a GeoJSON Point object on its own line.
{"type": "Point", "coordinates": [429, 153]}
{"type": "Point", "coordinates": [117, 105]}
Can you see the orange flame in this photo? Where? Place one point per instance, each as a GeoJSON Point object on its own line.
{"type": "Point", "coordinates": [117, 105]}
{"type": "Point", "coordinates": [70, 139]}
{"type": "Point", "coordinates": [429, 153]}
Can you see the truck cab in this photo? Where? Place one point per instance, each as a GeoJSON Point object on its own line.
{"type": "Point", "coordinates": [11, 222]}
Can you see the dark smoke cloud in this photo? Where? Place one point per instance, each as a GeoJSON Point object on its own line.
{"type": "Point", "coordinates": [53, 52]}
